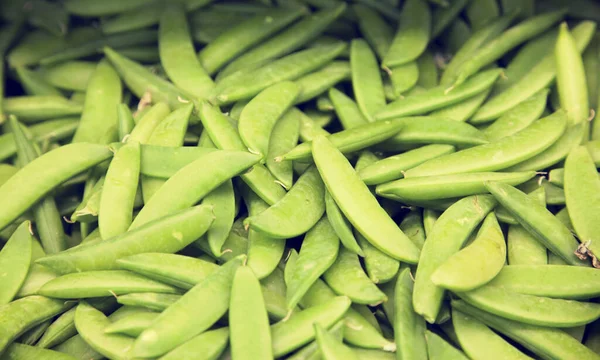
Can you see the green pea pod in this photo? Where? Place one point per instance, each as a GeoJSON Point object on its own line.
{"type": "Point", "coordinates": [412, 35]}
{"type": "Point", "coordinates": [16, 256]}
{"type": "Point", "coordinates": [87, 210]}
{"type": "Point", "coordinates": [284, 138]}
{"type": "Point", "coordinates": [428, 71]}
{"type": "Point", "coordinates": [37, 108]}
{"type": "Point", "coordinates": [164, 161]}
{"type": "Point", "coordinates": [409, 326]}
{"type": "Point", "coordinates": [481, 13]}
{"type": "Point", "coordinates": [523, 248]}
{"type": "Point", "coordinates": [132, 325]}
{"type": "Point", "coordinates": [70, 75]}
{"type": "Point", "coordinates": [366, 80]}
{"type": "Point", "coordinates": [308, 127]}
{"type": "Point", "coordinates": [318, 82]}
{"type": "Point", "coordinates": [147, 122]}
{"type": "Point", "coordinates": [463, 111]}
{"type": "Point", "coordinates": [440, 349]}
{"type": "Point", "coordinates": [91, 9]}
{"type": "Point", "coordinates": [151, 301]}
{"type": "Point", "coordinates": [341, 226]}
{"type": "Point", "coordinates": [518, 118]}
{"type": "Point", "coordinates": [442, 17]}
{"type": "Point", "coordinates": [312, 351]}
{"type": "Point", "coordinates": [412, 226]}
{"type": "Point", "coordinates": [369, 354]}
{"type": "Point", "coordinates": [346, 110]}
{"type": "Point", "coordinates": [134, 19]}
{"type": "Point", "coordinates": [330, 347]}
{"type": "Point", "coordinates": [20, 351]}
{"type": "Point", "coordinates": [206, 346]}
{"type": "Point", "coordinates": [380, 267]}
{"type": "Point", "coordinates": [378, 33]}
{"type": "Point", "coordinates": [34, 84]}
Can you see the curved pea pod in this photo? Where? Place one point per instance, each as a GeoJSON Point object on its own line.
{"type": "Point", "coordinates": [147, 122]}
{"type": "Point", "coordinates": [284, 138]}
{"type": "Point", "coordinates": [481, 13]}
{"type": "Point", "coordinates": [151, 301]}
{"type": "Point", "coordinates": [346, 109]}
{"type": "Point", "coordinates": [18, 351]}
{"type": "Point", "coordinates": [442, 17]}
{"type": "Point", "coordinates": [413, 33]}
{"type": "Point", "coordinates": [463, 111]}
{"type": "Point", "coordinates": [370, 354]}
{"type": "Point", "coordinates": [523, 248]}
{"type": "Point", "coordinates": [412, 226]}
{"type": "Point", "coordinates": [312, 350]}
{"type": "Point", "coordinates": [70, 75]}
{"type": "Point", "coordinates": [318, 82]}
{"type": "Point", "coordinates": [330, 347]}
{"type": "Point", "coordinates": [168, 234]}
{"type": "Point", "coordinates": [366, 79]}
{"type": "Point", "coordinates": [538, 221]}
{"type": "Point", "coordinates": [409, 326]}
{"type": "Point", "coordinates": [340, 225]}
{"type": "Point", "coordinates": [583, 201]}
{"type": "Point", "coordinates": [307, 194]}
{"type": "Point", "coordinates": [34, 84]}
{"type": "Point", "coordinates": [437, 98]}
{"type": "Point", "coordinates": [448, 235]}
{"type": "Point", "coordinates": [61, 329]}
{"type": "Point", "coordinates": [297, 331]}
{"type": "Point", "coordinates": [91, 9]}
{"type": "Point", "coordinates": [440, 349]}
{"type": "Point", "coordinates": [164, 161]}
{"type": "Point", "coordinates": [542, 341]}
{"type": "Point", "coordinates": [500, 154]}
{"type": "Point", "coordinates": [222, 200]}
{"type": "Point", "coordinates": [15, 258]}
{"type": "Point", "coordinates": [131, 325]}
{"type": "Point", "coordinates": [379, 266]}
{"type": "Point", "coordinates": [373, 27]}
{"type": "Point", "coordinates": [206, 346]}
{"type": "Point", "coordinates": [37, 108]}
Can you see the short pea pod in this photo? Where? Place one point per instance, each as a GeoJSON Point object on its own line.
{"type": "Point", "coordinates": [346, 109]}
{"type": "Point", "coordinates": [440, 349]}
{"type": "Point", "coordinates": [283, 138]}
{"type": "Point", "coordinates": [206, 346]}
{"type": "Point", "coordinates": [366, 79]}
{"type": "Point", "coordinates": [330, 347]}
{"type": "Point", "coordinates": [340, 225]}
{"type": "Point", "coordinates": [477, 263]}
{"type": "Point", "coordinates": [380, 267]}
{"type": "Point", "coordinates": [250, 336]}
{"type": "Point", "coordinates": [538, 221]}
{"type": "Point", "coordinates": [581, 192]}
{"type": "Point", "coordinates": [409, 327]}
{"type": "Point", "coordinates": [318, 252]}
{"type": "Point", "coordinates": [412, 35]}
{"type": "Point", "coordinates": [362, 209]}
{"type": "Point", "coordinates": [307, 194]}
{"type": "Point", "coordinates": [16, 256]}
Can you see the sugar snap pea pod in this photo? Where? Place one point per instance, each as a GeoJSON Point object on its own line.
{"type": "Point", "coordinates": [317, 254]}
{"type": "Point", "coordinates": [308, 194]}
{"type": "Point", "coordinates": [222, 200]}
{"type": "Point", "coordinates": [464, 110]}
{"type": "Point", "coordinates": [379, 229]}
{"type": "Point", "coordinates": [378, 33]}
{"type": "Point", "coordinates": [250, 336]}
{"type": "Point", "coordinates": [554, 194]}
{"type": "Point", "coordinates": [518, 118]}
{"type": "Point", "coordinates": [437, 98]}
{"type": "Point", "coordinates": [477, 263]}
{"type": "Point", "coordinates": [428, 71]}
{"type": "Point", "coordinates": [346, 110]}
{"type": "Point", "coordinates": [590, 63]}
{"type": "Point", "coordinates": [146, 124]}
{"type": "Point", "coordinates": [412, 35]}
{"type": "Point", "coordinates": [61, 329]}
{"type": "Point", "coordinates": [557, 177]}
{"type": "Point", "coordinates": [37, 108]}
{"type": "Point", "coordinates": [18, 351]}
{"type": "Point", "coordinates": [164, 161]}
{"type": "Point", "coordinates": [500, 154]}
{"type": "Point", "coordinates": [89, 8]}
{"type": "Point", "coordinates": [87, 210]}
{"type": "Point", "coordinates": [312, 351]}
{"type": "Point", "coordinates": [152, 301]}
{"type": "Point", "coordinates": [538, 78]}
{"type": "Point", "coordinates": [523, 248]}
{"type": "Point", "coordinates": [330, 347]}
{"type": "Point", "coordinates": [379, 266]}
{"type": "Point", "coordinates": [134, 19]}
{"type": "Point", "coordinates": [16, 256]}
{"type": "Point", "coordinates": [553, 234]}
{"type": "Point", "coordinates": [366, 79]}
{"type": "Point", "coordinates": [184, 319]}
{"type": "Point", "coordinates": [287, 41]}
{"type": "Point", "coordinates": [482, 13]}
{"type": "Point", "coordinates": [206, 346]}
{"type": "Point", "coordinates": [298, 329]}
{"type": "Point", "coordinates": [430, 216]}
{"type": "Point", "coordinates": [318, 82]}
{"type": "Point", "coordinates": [409, 327]}
{"type": "Point", "coordinates": [442, 17]}
{"type": "Point", "coordinates": [371, 354]}
{"type": "Point", "coordinates": [132, 325]}
{"type": "Point", "coordinates": [340, 225]}
{"type": "Point", "coordinates": [508, 40]}
{"type": "Point", "coordinates": [124, 120]}
{"type": "Point", "coordinates": [412, 226]}
{"type": "Point", "coordinates": [308, 127]}
{"type": "Point", "coordinates": [403, 78]}
{"type": "Point", "coordinates": [284, 138]}
{"type": "Point", "coordinates": [70, 75]}
{"type": "Point", "coordinates": [177, 53]}
{"type": "Point", "coordinates": [439, 349]}
{"type": "Point", "coordinates": [448, 186]}
{"type": "Point", "coordinates": [34, 84]}
{"type": "Point", "coordinates": [260, 115]}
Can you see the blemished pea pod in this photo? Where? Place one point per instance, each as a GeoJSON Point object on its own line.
{"type": "Point", "coordinates": [393, 167]}
{"type": "Point", "coordinates": [318, 82]}
{"type": "Point", "coordinates": [498, 155]}
{"type": "Point", "coordinates": [185, 319]}
{"type": "Point", "coordinates": [206, 346]}
{"type": "Point", "coordinates": [412, 35]}
{"type": "Point", "coordinates": [283, 138]}
{"type": "Point", "coordinates": [508, 40]}
{"type": "Point", "coordinates": [442, 17]}
{"type": "Point", "coordinates": [366, 79]}
{"type": "Point", "coordinates": [177, 54]}
{"type": "Point", "coordinates": [537, 220]}
{"type": "Point", "coordinates": [330, 347]}
{"type": "Point", "coordinates": [346, 277]}
{"type": "Point", "coordinates": [289, 67]}
{"type": "Point", "coordinates": [378, 33]}
{"type": "Point", "coordinates": [379, 266]}
{"type": "Point", "coordinates": [341, 226]}
{"type": "Point", "coordinates": [250, 336]}
{"type": "Point", "coordinates": [477, 263]}
{"type": "Point", "coordinates": [15, 258]}
{"type": "Point", "coordinates": [361, 209]}
{"type": "Point", "coordinates": [151, 301]}
{"type": "Point", "coordinates": [538, 78]}
{"type": "Point", "coordinates": [308, 193]}
{"type": "Point", "coordinates": [436, 98]}
{"type": "Point", "coordinates": [259, 116]}
{"type": "Point", "coordinates": [518, 118]}
{"type": "Point", "coordinates": [478, 341]}
{"type": "Point", "coordinates": [523, 248]}
{"type": "Point", "coordinates": [543, 341]}
{"type": "Point", "coordinates": [449, 186]}
{"type": "Point", "coordinates": [409, 326]}
{"type": "Point", "coordinates": [156, 236]}
{"type": "Point", "coordinates": [297, 331]}
{"type": "Point", "coordinates": [581, 192]}
{"type": "Point", "coordinates": [18, 351]}
{"type": "Point", "coordinates": [570, 77]}
{"type": "Point", "coordinates": [37, 108]}
{"type": "Point", "coordinates": [21, 315]}
{"type": "Point", "coordinates": [132, 325]}
{"type": "Point", "coordinates": [440, 349]}
{"type": "Point", "coordinates": [454, 224]}
{"type": "Point", "coordinates": [196, 182]}
{"type": "Point", "coordinates": [34, 84]}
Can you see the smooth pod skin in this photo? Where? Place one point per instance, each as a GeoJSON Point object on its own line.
{"type": "Point", "coordinates": [132, 325]}
{"type": "Point", "coordinates": [250, 336]}
{"type": "Point", "coordinates": [206, 346]}
{"type": "Point", "coordinates": [412, 35]}
{"type": "Point", "coordinates": [358, 204]}
{"type": "Point", "coordinates": [37, 108]}
{"type": "Point", "coordinates": [380, 267]}
{"type": "Point", "coordinates": [442, 17]}
{"type": "Point", "coordinates": [537, 220]}
{"type": "Point", "coordinates": [412, 226]}
{"type": "Point", "coordinates": [545, 342]}
{"type": "Point", "coordinates": [366, 80]}
{"type": "Point", "coordinates": [518, 118]}
{"type": "Point", "coordinates": [70, 75]}
{"type": "Point", "coordinates": [150, 301]}
{"type": "Point", "coordinates": [481, 13]}
{"type": "Point", "coordinates": [318, 82]}
{"type": "Point", "coordinates": [15, 258]}
{"type": "Point", "coordinates": [500, 154]}
{"type": "Point", "coordinates": [283, 138]}
{"type": "Point", "coordinates": [409, 326]}
{"type": "Point", "coordinates": [147, 122]}
{"type": "Point", "coordinates": [298, 211]}
{"type": "Point", "coordinates": [222, 200]}
{"type": "Point", "coordinates": [169, 235]}
{"type": "Point", "coordinates": [346, 109]}
{"type": "Point", "coordinates": [164, 161]}
{"type": "Point", "coordinates": [18, 351]}
{"type": "Point", "coordinates": [477, 263]}
{"type": "Point", "coordinates": [259, 116]}
{"type": "Point", "coordinates": [523, 248]}
{"type": "Point", "coordinates": [34, 84]}
{"type": "Point", "coordinates": [440, 349]}
{"type": "Point", "coordinates": [463, 111]}
{"type": "Point", "coordinates": [340, 225]}
{"type": "Point", "coordinates": [448, 235]}
{"type": "Point", "coordinates": [330, 347]}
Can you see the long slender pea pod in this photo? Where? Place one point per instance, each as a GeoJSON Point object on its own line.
{"type": "Point", "coordinates": [21, 315]}
{"type": "Point", "coordinates": [222, 200]}
{"type": "Point", "coordinates": [134, 19]}
{"type": "Point", "coordinates": [283, 139]}
{"type": "Point", "coordinates": [259, 116]}
{"type": "Point", "coordinates": [518, 118]}
{"type": "Point", "coordinates": [481, 13]}
{"type": "Point", "coordinates": [463, 111]}
{"type": "Point", "coordinates": [539, 77]}
{"type": "Point", "coordinates": [70, 75]}
{"type": "Point", "coordinates": [379, 266]}
{"type": "Point", "coordinates": [454, 224]}
{"type": "Point", "coordinates": [185, 319]}
{"type": "Point", "coordinates": [378, 33]}
{"type": "Point", "coordinates": [508, 40]}
{"type": "Point", "coordinates": [538, 221]}
{"type": "Point", "coordinates": [403, 78]}
{"type": "Point", "coordinates": [437, 98]}
{"type": "Point", "coordinates": [147, 122]}
{"type": "Point", "coordinates": [330, 347]}
{"type": "Point", "coordinates": [477, 263]}
{"type": "Point", "coordinates": [409, 327]}
{"type": "Point", "coordinates": [18, 351]}
{"type": "Point", "coordinates": [132, 325]}
{"type": "Point", "coordinates": [161, 161]}
{"type": "Point", "coordinates": [442, 17]}
{"type": "Point", "coordinates": [440, 349]}
{"type": "Point", "coordinates": [340, 225]}
{"type": "Point", "coordinates": [456, 35]}
{"type": "Point", "coordinates": [125, 121]}
{"type": "Point", "coordinates": [250, 336]}
{"type": "Point", "coordinates": [309, 128]}
{"type": "Point", "coordinates": [206, 346]}
{"type": "Point", "coordinates": [594, 149]}
{"type": "Point", "coordinates": [89, 8]}
{"type": "Point", "coordinates": [16, 257]}
{"type": "Point", "coordinates": [307, 194]}
{"type": "Point", "coordinates": [379, 229]}
{"type": "Point", "coordinates": [177, 54]}
{"type": "Point", "coordinates": [366, 79]}
{"type": "Point", "coordinates": [428, 71]}
{"type": "Point", "coordinates": [318, 82]}
{"type": "Point", "coordinates": [289, 67]}
{"type": "Point", "coordinates": [298, 329]}
{"type": "Point", "coordinates": [548, 343]}
{"type": "Point", "coordinates": [581, 192]}
{"type": "Point", "coordinates": [34, 84]}
{"type": "Point", "coordinates": [150, 301]}
{"type": "Point", "coordinates": [412, 226]}
{"type": "Point", "coordinates": [37, 108]}
{"type": "Point", "coordinates": [412, 35]}
{"type": "Point", "coordinates": [346, 110]}
{"type": "Point", "coordinates": [523, 248]}
{"type": "Point", "coordinates": [498, 155]}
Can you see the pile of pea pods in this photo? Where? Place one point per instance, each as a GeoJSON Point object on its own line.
{"type": "Point", "coordinates": [299, 179]}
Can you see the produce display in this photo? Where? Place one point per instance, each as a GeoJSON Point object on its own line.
{"type": "Point", "coordinates": [299, 179]}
